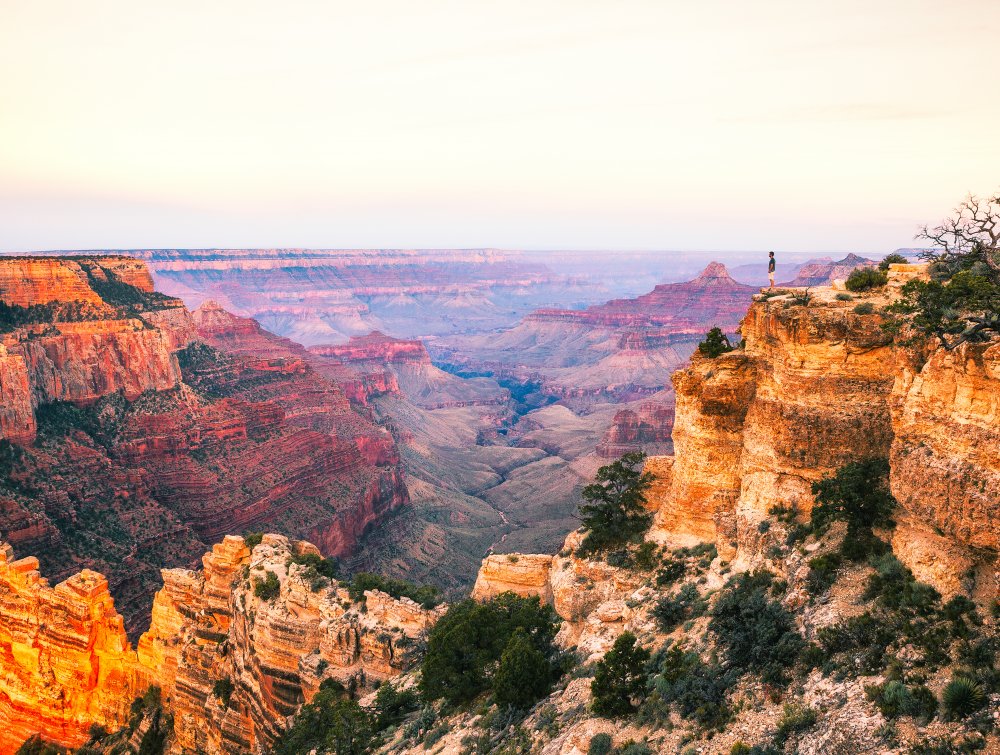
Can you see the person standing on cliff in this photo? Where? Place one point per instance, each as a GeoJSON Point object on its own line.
{"type": "Point", "coordinates": [770, 268]}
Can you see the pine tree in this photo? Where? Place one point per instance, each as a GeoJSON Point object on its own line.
{"type": "Point", "coordinates": [620, 677]}
{"type": "Point", "coordinates": [524, 675]}
{"type": "Point", "coordinates": [716, 343]}
{"type": "Point", "coordinates": [615, 513]}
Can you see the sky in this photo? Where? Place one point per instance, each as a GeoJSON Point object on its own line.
{"type": "Point", "coordinates": [571, 124]}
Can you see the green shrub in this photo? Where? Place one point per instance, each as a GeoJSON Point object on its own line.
{"type": "Point", "coordinates": [427, 596]}
{"type": "Point", "coordinates": [716, 344]}
{"type": "Point", "coordinates": [891, 259]}
{"type": "Point", "coordinates": [697, 690]}
{"type": "Point", "coordinates": [864, 308]}
{"type": "Point", "coordinates": [391, 706]}
{"type": "Point", "coordinates": [524, 675]}
{"type": "Point", "coordinates": [858, 493]}
{"type": "Point", "coordinates": [619, 678]}
{"type": "Point", "coordinates": [671, 611]}
{"type": "Point", "coordinates": [253, 539]}
{"type": "Point", "coordinates": [615, 513]}
{"type": "Point", "coordinates": [894, 699]}
{"type": "Point", "coordinates": [331, 723]}
{"type": "Point", "coordinates": [794, 718]}
{"type": "Point", "coordinates": [865, 278]}
{"type": "Point", "coordinates": [600, 744]}
{"type": "Point", "coordinates": [822, 572]}
{"type": "Point", "coordinates": [843, 296]}
{"type": "Point", "coordinates": [962, 697]}
{"type": "Point", "coordinates": [223, 690]}
{"type": "Point", "coordinates": [324, 567]}
{"type": "Point", "coordinates": [670, 571]}
{"type": "Point", "coordinates": [465, 646]}
{"type": "Point", "coordinates": [757, 633]}
{"type": "Point", "coordinates": [268, 588]}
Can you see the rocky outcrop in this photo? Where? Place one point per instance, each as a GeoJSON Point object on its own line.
{"type": "Point", "coordinates": [524, 574]}
{"type": "Point", "coordinates": [215, 624]}
{"type": "Point", "coordinates": [83, 328]}
{"type": "Point", "coordinates": [819, 385]}
{"type": "Point", "coordinates": [377, 348]}
{"type": "Point", "coordinates": [946, 466]}
{"type": "Point", "coordinates": [65, 662]}
{"type": "Point", "coordinates": [88, 360]}
{"type": "Point", "coordinates": [756, 427]}
{"type": "Point", "coordinates": [40, 280]}
{"type": "Point", "coordinates": [17, 415]}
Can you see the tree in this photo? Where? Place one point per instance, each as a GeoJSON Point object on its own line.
{"type": "Point", "coordinates": [465, 645]}
{"type": "Point", "coordinates": [715, 344]}
{"type": "Point", "coordinates": [524, 675]}
{"type": "Point", "coordinates": [619, 678]}
{"type": "Point", "coordinates": [961, 302]}
{"type": "Point", "coordinates": [857, 494]}
{"type": "Point", "coordinates": [615, 511]}
{"type": "Point", "coordinates": [331, 724]}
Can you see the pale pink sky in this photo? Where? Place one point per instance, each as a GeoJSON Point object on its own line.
{"type": "Point", "coordinates": [790, 124]}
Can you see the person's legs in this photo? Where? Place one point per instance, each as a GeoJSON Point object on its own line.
{"type": "Point", "coordinates": [770, 277]}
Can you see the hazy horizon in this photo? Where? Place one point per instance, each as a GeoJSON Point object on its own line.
{"type": "Point", "coordinates": [551, 125]}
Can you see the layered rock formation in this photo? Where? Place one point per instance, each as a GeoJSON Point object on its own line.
{"type": "Point", "coordinates": [946, 466]}
{"type": "Point", "coordinates": [326, 296]}
{"type": "Point", "coordinates": [647, 426]}
{"type": "Point", "coordinates": [80, 328]}
{"type": "Point", "coordinates": [404, 367]}
{"type": "Point", "coordinates": [817, 386]}
{"type": "Point", "coordinates": [151, 445]}
{"type": "Point", "coordinates": [65, 662]}
{"type": "Point", "coordinates": [824, 272]}
{"type": "Point", "coordinates": [619, 351]}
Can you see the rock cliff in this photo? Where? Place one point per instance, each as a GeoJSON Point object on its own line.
{"type": "Point", "coordinates": [65, 662]}
{"type": "Point", "coordinates": [819, 385]}
{"type": "Point", "coordinates": [145, 433]}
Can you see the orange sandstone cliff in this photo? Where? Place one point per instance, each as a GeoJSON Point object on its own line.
{"type": "Point", "coordinates": [65, 662]}
{"type": "Point", "coordinates": [817, 386]}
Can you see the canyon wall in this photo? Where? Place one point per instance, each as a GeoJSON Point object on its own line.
{"type": "Point", "coordinates": [65, 662]}
{"type": "Point", "coordinates": [64, 341]}
{"type": "Point", "coordinates": [145, 433]}
{"type": "Point", "coordinates": [819, 385]}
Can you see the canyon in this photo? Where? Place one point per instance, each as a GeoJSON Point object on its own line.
{"type": "Point", "coordinates": [132, 443]}
{"type": "Point", "coordinates": [814, 385]}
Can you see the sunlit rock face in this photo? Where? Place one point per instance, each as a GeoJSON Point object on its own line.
{"type": "Point", "coordinates": [524, 574]}
{"type": "Point", "coordinates": [946, 465]}
{"type": "Point", "coordinates": [817, 386]}
{"type": "Point", "coordinates": [65, 662]}
{"type": "Point", "coordinates": [74, 345]}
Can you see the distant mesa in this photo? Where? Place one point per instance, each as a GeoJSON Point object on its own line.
{"type": "Point", "coordinates": [825, 272]}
